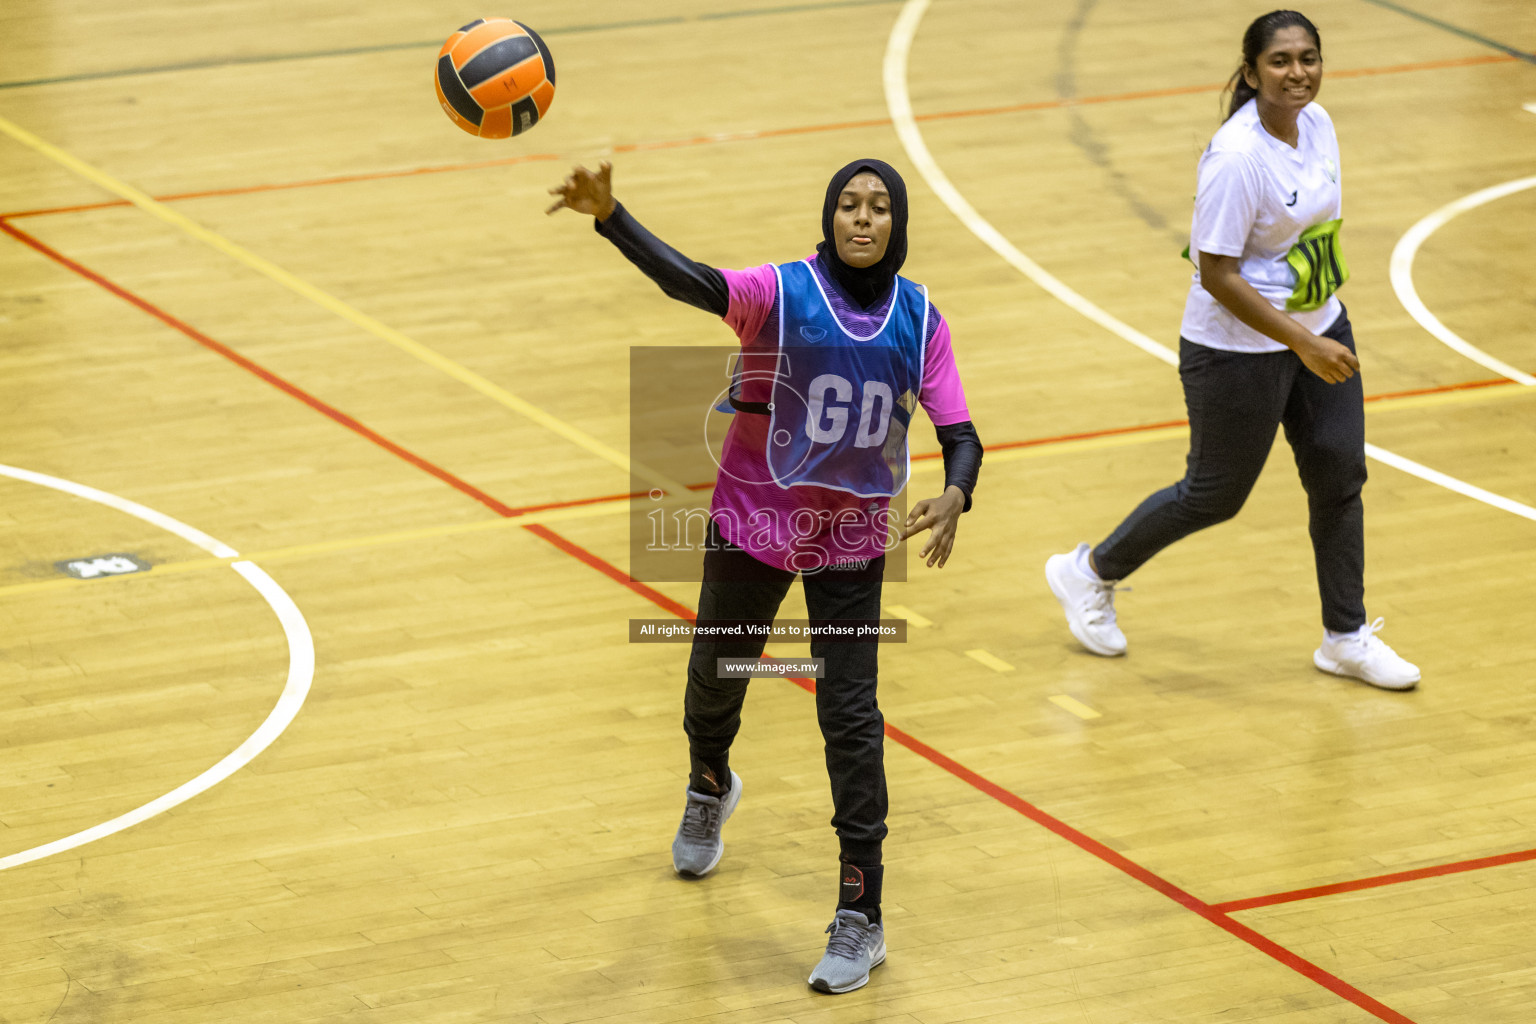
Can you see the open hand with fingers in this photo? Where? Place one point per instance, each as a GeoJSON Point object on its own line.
{"type": "Point", "coordinates": [942, 515]}
{"type": "Point", "coordinates": [586, 192]}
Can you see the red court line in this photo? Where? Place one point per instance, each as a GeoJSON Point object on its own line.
{"type": "Point", "coordinates": [1376, 881]}
{"type": "Point", "coordinates": [768, 133]}
{"type": "Point", "coordinates": [1427, 65]}
{"type": "Point", "coordinates": [343, 179]}
{"type": "Point", "coordinates": [1439, 389]}
{"type": "Point", "coordinates": [271, 378]}
{"type": "Point", "coordinates": [549, 506]}
{"type": "Point", "coordinates": [1211, 87]}
{"type": "Point", "coordinates": [613, 572]}
{"type": "Point", "coordinates": [509, 511]}
{"type": "Point", "coordinates": [293, 390]}
{"type": "Point", "coordinates": [1082, 841]}
{"type": "Point", "coordinates": [1141, 428]}
{"type": "Point", "coordinates": [1214, 914]}
{"type": "Point", "coordinates": [575, 502]}
{"type": "Point", "coordinates": [1036, 442]}
{"type": "Point", "coordinates": [1088, 435]}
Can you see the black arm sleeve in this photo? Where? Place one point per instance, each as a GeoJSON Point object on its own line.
{"type": "Point", "coordinates": [962, 457]}
{"type": "Point", "coordinates": [679, 277]}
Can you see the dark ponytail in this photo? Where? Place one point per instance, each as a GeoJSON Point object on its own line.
{"type": "Point", "coordinates": [1259, 35]}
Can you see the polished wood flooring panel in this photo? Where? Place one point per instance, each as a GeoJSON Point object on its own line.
{"type": "Point", "coordinates": [469, 818]}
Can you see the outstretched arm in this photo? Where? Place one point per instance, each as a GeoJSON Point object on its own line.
{"type": "Point", "coordinates": [697, 284]}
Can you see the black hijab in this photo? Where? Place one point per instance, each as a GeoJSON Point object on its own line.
{"type": "Point", "coordinates": [865, 285]}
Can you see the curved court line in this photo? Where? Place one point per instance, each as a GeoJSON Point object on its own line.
{"type": "Point", "coordinates": [216, 548]}
{"type": "Point", "coordinates": [301, 669]}
{"type": "Point", "coordinates": [287, 387]}
{"type": "Point", "coordinates": [898, 99]}
{"type": "Point", "coordinates": [898, 49]}
{"type": "Point", "coordinates": [616, 504]}
{"type": "Point", "coordinates": [752, 135]}
{"type": "Point", "coordinates": [1402, 275]}
{"type": "Point", "coordinates": [899, 102]}
{"type": "Point", "coordinates": [330, 303]}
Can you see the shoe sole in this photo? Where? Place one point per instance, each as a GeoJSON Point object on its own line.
{"type": "Point", "coordinates": [821, 986]}
{"type": "Point", "coordinates": [1052, 566]}
{"type": "Point", "coordinates": [730, 808]}
{"type": "Point", "coordinates": [1327, 664]}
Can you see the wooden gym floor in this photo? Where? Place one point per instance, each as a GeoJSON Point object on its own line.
{"type": "Point", "coordinates": [255, 282]}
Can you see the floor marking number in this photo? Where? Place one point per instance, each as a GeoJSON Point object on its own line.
{"type": "Point", "coordinates": [97, 566]}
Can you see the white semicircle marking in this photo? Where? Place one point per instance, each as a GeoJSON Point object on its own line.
{"type": "Point", "coordinates": [301, 669]}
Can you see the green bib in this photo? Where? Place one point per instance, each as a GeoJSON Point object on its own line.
{"type": "Point", "coordinates": [1319, 265]}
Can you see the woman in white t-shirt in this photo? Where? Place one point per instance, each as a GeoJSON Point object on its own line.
{"type": "Point", "coordinates": [1264, 342]}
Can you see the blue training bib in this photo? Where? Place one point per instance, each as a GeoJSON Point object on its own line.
{"type": "Point", "coordinates": [842, 403]}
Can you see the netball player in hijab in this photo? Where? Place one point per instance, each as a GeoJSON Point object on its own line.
{"type": "Point", "coordinates": [1265, 342]}
{"type": "Point", "coordinates": [863, 346]}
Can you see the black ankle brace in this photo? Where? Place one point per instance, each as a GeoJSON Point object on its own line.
{"type": "Point", "coordinates": [711, 777]}
{"type": "Point", "coordinates": [859, 889]}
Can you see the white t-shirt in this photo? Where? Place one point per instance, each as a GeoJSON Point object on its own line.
{"type": "Point", "coordinates": [1255, 197]}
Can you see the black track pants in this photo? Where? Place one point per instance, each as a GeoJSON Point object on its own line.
{"type": "Point", "coordinates": [1235, 401]}
{"type": "Point", "coordinates": [739, 587]}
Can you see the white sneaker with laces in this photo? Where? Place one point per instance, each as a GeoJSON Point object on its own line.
{"type": "Point", "coordinates": [1088, 601]}
{"type": "Point", "coordinates": [1363, 655]}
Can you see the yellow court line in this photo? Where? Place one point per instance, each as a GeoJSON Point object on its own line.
{"type": "Point", "coordinates": [990, 660]}
{"type": "Point", "coordinates": [463, 374]}
{"type": "Point", "coordinates": [901, 611]}
{"type": "Point", "coordinates": [159, 569]}
{"type": "Point", "coordinates": [326, 301]}
{"type": "Point", "coordinates": [322, 548]}
{"type": "Point", "coordinates": [620, 505]}
{"type": "Point", "coordinates": [1086, 444]}
{"type": "Point", "coordinates": [1076, 707]}
{"type": "Point", "coordinates": [1471, 396]}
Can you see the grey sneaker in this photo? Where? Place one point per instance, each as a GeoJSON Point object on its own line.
{"type": "Point", "coordinates": [698, 847]}
{"type": "Point", "coordinates": [855, 948]}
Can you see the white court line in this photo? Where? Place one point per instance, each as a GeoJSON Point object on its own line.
{"type": "Point", "coordinates": [301, 669]}
{"type": "Point", "coordinates": [1402, 275]}
{"type": "Point", "coordinates": [1450, 483]}
{"type": "Point", "coordinates": [195, 536]}
{"type": "Point", "coordinates": [899, 102]}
